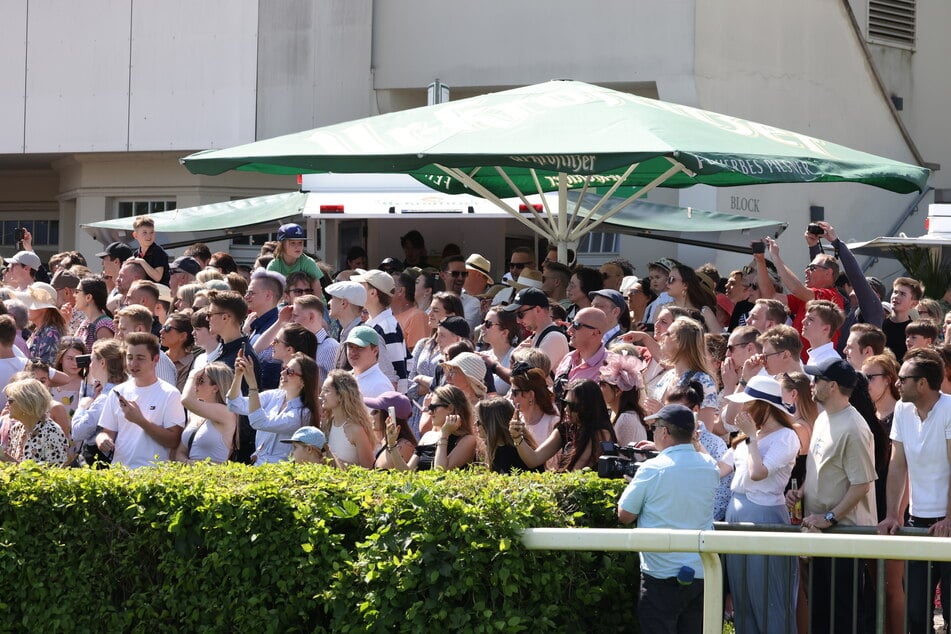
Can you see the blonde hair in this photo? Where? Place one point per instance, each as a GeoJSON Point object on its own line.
{"type": "Point", "coordinates": [351, 401]}
{"type": "Point", "coordinates": [691, 349]}
{"type": "Point", "coordinates": [31, 397]}
{"type": "Point", "coordinates": [220, 376]}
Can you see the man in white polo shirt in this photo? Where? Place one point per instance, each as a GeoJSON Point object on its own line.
{"type": "Point", "coordinates": [921, 449]}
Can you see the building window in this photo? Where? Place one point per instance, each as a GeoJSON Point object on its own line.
{"type": "Point", "coordinates": [126, 208]}
{"type": "Point", "coordinates": [256, 240]}
{"type": "Point", "coordinates": [45, 232]}
{"type": "Point", "coordinates": [892, 22]}
{"type": "Point", "coordinates": [598, 243]}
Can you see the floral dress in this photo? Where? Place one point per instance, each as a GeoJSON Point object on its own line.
{"type": "Point", "coordinates": [44, 344]}
{"type": "Point", "coordinates": [669, 380]}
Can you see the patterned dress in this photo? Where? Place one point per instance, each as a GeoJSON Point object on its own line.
{"type": "Point", "coordinates": [46, 444]}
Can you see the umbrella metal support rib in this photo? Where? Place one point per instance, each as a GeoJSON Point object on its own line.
{"type": "Point", "coordinates": [584, 190]}
{"type": "Point", "coordinates": [531, 208]}
{"type": "Point", "coordinates": [589, 224]}
{"type": "Point", "coordinates": [541, 192]}
{"type": "Point", "coordinates": [498, 202]}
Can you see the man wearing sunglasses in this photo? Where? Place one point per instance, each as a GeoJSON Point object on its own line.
{"type": "Point", "coordinates": [531, 310]}
{"type": "Point", "coordinates": [522, 258]}
{"type": "Point", "coordinates": [921, 445]}
{"type": "Point", "coordinates": [674, 490]}
{"type": "Point", "coordinates": [838, 489]}
{"type": "Point", "coordinates": [452, 271]}
{"type": "Point", "coordinates": [585, 335]}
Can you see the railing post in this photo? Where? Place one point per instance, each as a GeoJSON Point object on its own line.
{"type": "Point", "coordinates": [712, 593]}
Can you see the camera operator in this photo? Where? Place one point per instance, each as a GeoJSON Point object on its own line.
{"type": "Point", "coordinates": [673, 490]}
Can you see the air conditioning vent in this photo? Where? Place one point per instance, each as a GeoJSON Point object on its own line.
{"type": "Point", "coordinates": [892, 22]}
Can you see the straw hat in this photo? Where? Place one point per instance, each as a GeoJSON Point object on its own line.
{"type": "Point", "coordinates": [530, 278]}
{"type": "Point", "coordinates": [479, 264]}
{"type": "Point", "coordinates": [38, 295]}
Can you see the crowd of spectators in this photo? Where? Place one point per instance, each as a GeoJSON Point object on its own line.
{"type": "Point", "coordinates": [823, 393]}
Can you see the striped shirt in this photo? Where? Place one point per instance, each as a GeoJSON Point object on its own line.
{"type": "Point", "coordinates": [326, 352]}
{"type": "Point", "coordinates": [392, 347]}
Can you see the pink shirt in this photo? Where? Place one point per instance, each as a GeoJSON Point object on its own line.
{"type": "Point", "coordinates": [578, 368]}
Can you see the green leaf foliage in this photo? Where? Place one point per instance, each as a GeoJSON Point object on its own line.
{"type": "Point", "coordinates": [301, 548]}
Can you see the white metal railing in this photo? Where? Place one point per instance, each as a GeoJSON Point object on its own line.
{"type": "Point", "coordinates": [710, 544]}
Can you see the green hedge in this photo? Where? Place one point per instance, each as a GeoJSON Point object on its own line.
{"type": "Point", "coordinates": [291, 548]}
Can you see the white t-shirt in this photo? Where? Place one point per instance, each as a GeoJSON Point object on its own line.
{"type": "Point", "coordinates": [373, 382]}
{"type": "Point", "coordinates": [925, 445]}
{"type": "Point", "coordinates": [160, 403]}
{"type": "Point", "coordinates": [778, 450]}
{"type": "Point", "coordinates": [9, 367]}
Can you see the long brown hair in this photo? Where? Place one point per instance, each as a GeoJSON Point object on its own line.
{"type": "Point", "coordinates": [761, 412]}
{"type": "Point", "coordinates": [806, 408]}
{"type": "Point", "coordinates": [533, 380]}
{"type": "Point", "coordinates": [494, 415]}
{"type": "Point", "coordinates": [459, 403]}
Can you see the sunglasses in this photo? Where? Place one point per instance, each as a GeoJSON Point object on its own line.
{"type": "Point", "coordinates": [434, 406]}
{"type": "Point", "coordinates": [577, 325]}
{"type": "Point", "coordinates": [166, 328]}
{"type": "Point", "coordinates": [572, 405]}
{"type": "Point", "coordinates": [290, 372]}
{"type": "Point", "coordinates": [462, 274]}
{"type": "Point", "coordinates": [517, 265]}
{"type": "Point", "coordinates": [521, 314]}
{"type": "Point", "coordinates": [813, 267]}
{"type": "Point", "coordinates": [487, 324]}
{"type": "Point", "coordinates": [672, 280]}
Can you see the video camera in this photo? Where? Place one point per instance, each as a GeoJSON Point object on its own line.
{"type": "Point", "coordinates": [617, 461]}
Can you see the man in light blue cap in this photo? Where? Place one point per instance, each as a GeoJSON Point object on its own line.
{"type": "Point", "coordinates": [308, 445]}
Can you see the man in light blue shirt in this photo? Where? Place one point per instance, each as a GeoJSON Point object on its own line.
{"type": "Point", "coordinates": [674, 490]}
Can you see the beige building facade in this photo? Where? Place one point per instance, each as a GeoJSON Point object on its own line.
{"type": "Point", "coordinates": [99, 99]}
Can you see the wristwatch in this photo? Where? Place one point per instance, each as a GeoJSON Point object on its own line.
{"type": "Point", "coordinates": [830, 517]}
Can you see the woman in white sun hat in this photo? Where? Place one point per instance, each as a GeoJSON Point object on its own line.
{"type": "Point", "coordinates": [49, 324]}
{"type": "Point", "coordinates": [764, 588]}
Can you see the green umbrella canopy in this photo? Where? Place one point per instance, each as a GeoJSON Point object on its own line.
{"type": "Point", "coordinates": [523, 139]}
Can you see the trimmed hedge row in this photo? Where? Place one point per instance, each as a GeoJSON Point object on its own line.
{"type": "Point", "coordinates": [293, 548]}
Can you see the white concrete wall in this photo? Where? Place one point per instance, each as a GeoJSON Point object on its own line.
{"type": "Point", "coordinates": [800, 66]}
{"type": "Point", "coordinates": [503, 43]}
{"type": "Point", "coordinates": [313, 64]}
{"type": "Point", "coordinates": [113, 75]}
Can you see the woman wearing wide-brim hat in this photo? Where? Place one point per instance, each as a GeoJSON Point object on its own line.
{"type": "Point", "coordinates": [48, 322]}
{"type": "Point", "coordinates": [764, 588]}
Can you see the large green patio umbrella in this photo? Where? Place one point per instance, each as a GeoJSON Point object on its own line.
{"type": "Point", "coordinates": [561, 136]}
